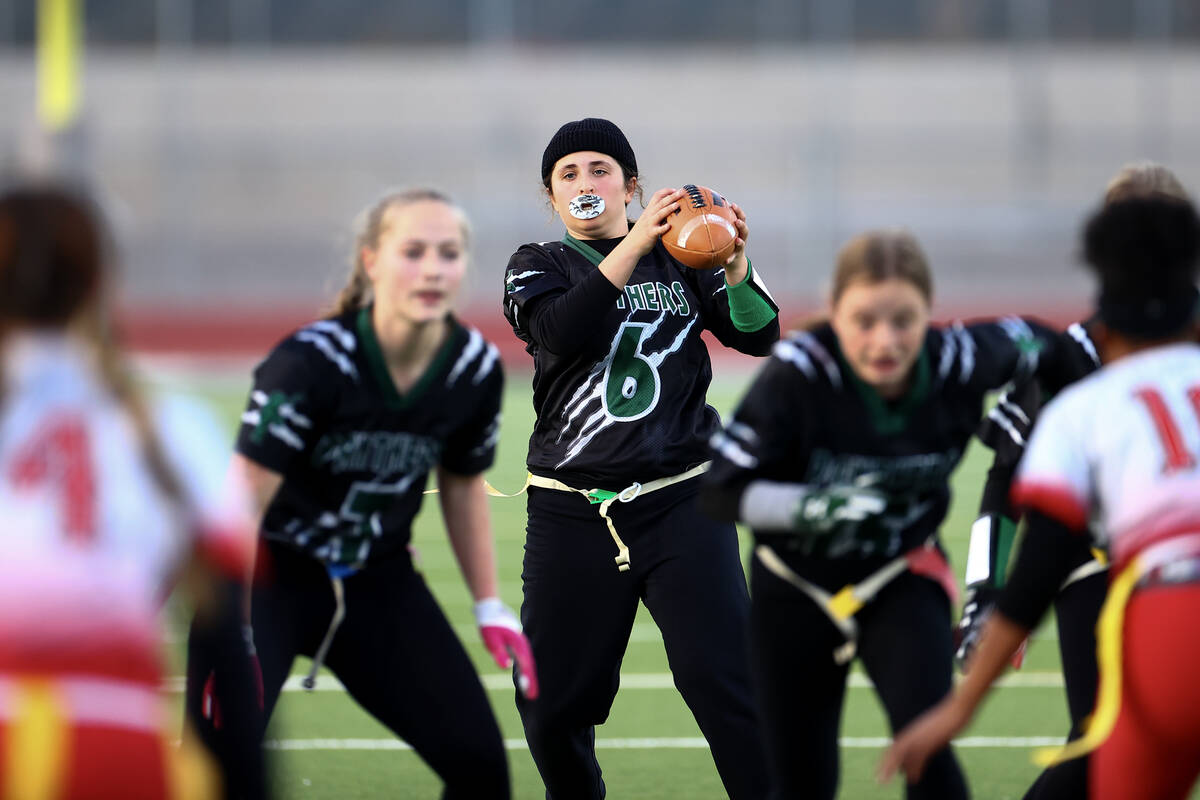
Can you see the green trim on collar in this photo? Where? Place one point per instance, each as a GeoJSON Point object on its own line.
{"type": "Point", "coordinates": [886, 420]}
{"type": "Point", "coordinates": [584, 249]}
{"type": "Point", "coordinates": [383, 376]}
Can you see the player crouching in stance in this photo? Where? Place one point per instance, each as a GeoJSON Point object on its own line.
{"type": "Point", "coordinates": [104, 501]}
{"type": "Point", "coordinates": [1123, 444]}
{"type": "Point", "coordinates": [346, 419]}
{"type": "Point", "coordinates": [613, 323]}
{"type": "Point", "coordinates": [839, 459]}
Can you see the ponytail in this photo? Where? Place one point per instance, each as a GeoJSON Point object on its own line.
{"type": "Point", "coordinates": [117, 377]}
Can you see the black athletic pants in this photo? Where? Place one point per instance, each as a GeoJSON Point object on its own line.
{"type": "Point", "coordinates": [397, 656]}
{"type": "Point", "coordinates": [578, 612]}
{"type": "Point", "coordinates": [1077, 609]}
{"type": "Point", "coordinates": [905, 645]}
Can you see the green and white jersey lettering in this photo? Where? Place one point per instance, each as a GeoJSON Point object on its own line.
{"type": "Point", "coordinates": [627, 400]}
{"type": "Point", "coordinates": [355, 453]}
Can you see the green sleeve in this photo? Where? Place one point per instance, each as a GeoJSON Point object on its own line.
{"type": "Point", "coordinates": [747, 308]}
{"type": "Point", "coordinates": [1004, 537]}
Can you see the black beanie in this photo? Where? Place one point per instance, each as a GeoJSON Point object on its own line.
{"type": "Point", "coordinates": [594, 134]}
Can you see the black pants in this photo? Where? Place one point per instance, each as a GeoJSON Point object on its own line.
{"type": "Point", "coordinates": [397, 656]}
{"type": "Point", "coordinates": [1077, 609]}
{"type": "Point", "coordinates": [216, 647]}
{"type": "Point", "coordinates": [578, 612]}
{"type": "Point", "coordinates": [905, 645]}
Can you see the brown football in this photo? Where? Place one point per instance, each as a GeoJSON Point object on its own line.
{"type": "Point", "coordinates": [702, 232]}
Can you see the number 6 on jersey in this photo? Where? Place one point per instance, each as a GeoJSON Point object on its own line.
{"type": "Point", "coordinates": [631, 382]}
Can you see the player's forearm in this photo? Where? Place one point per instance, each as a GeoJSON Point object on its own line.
{"type": "Point", "coordinates": [618, 265]}
{"type": "Point", "coordinates": [754, 316]}
{"type": "Point", "coordinates": [1048, 553]}
{"type": "Point", "coordinates": [1000, 640]}
{"type": "Point", "coordinates": [737, 270]}
{"type": "Point", "coordinates": [767, 505]}
{"type": "Point", "coordinates": [468, 526]}
{"type": "Point", "coordinates": [565, 323]}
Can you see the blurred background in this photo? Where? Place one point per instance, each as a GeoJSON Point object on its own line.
{"type": "Point", "coordinates": [236, 140]}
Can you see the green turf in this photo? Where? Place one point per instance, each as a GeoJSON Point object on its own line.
{"type": "Point", "coordinates": [634, 773]}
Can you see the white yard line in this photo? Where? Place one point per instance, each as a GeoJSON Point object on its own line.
{"type": "Point", "coordinates": [666, 743]}
{"type": "Point", "coordinates": [655, 680]}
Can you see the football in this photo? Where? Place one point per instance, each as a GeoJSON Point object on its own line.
{"type": "Point", "coordinates": [702, 232]}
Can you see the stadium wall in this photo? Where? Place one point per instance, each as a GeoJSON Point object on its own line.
{"type": "Point", "coordinates": [233, 174]}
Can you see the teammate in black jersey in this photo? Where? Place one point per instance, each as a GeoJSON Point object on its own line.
{"type": "Point", "coordinates": [614, 323]}
{"type": "Point", "coordinates": [839, 459]}
{"type": "Point", "coordinates": [346, 418]}
{"type": "Point", "coordinates": [1077, 605]}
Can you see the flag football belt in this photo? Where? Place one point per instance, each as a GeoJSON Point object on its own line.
{"type": "Point", "coordinates": [841, 607]}
{"type": "Point", "coordinates": [1175, 560]}
{"type": "Point", "coordinates": [605, 499]}
{"type": "Point", "coordinates": [336, 576]}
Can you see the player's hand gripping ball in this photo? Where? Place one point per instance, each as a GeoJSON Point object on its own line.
{"type": "Point", "coordinates": [703, 229]}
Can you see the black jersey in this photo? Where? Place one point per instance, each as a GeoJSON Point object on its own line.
{"type": "Point", "coordinates": [809, 419]}
{"type": "Point", "coordinates": [355, 453]}
{"type": "Point", "coordinates": [624, 398]}
{"type": "Point", "coordinates": [1007, 426]}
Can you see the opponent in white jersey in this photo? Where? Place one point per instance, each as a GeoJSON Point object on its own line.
{"type": "Point", "coordinates": [1121, 447]}
{"type": "Point", "coordinates": [1077, 605]}
{"type": "Point", "coordinates": [1124, 445]}
{"type": "Point", "coordinates": [103, 503]}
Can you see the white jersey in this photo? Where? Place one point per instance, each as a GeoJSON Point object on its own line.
{"type": "Point", "coordinates": [1122, 447]}
{"type": "Point", "coordinates": [88, 543]}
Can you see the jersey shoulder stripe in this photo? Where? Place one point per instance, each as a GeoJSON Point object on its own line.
{"type": "Point", "coordinates": [477, 359]}
{"type": "Point", "coordinates": [966, 348]}
{"type": "Point", "coordinates": [805, 351]}
{"type": "Point", "coordinates": [948, 355]}
{"type": "Point", "coordinates": [332, 340]}
{"type": "Point", "coordinates": [956, 353]}
{"type": "Point", "coordinates": [1079, 334]}
{"type": "Point", "coordinates": [791, 353]}
{"type": "Point", "coordinates": [1019, 331]}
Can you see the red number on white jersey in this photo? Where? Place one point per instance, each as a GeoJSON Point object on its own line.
{"type": "Point", "coordinates": [60, 454]}
{"type": "Point", "coordinates": [1176, 452]}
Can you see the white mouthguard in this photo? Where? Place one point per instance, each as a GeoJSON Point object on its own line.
{"type": "Point", "coordinates": [586, 206]}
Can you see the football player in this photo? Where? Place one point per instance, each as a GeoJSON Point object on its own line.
{"type": "Point", "coordinates": [345, 421]}
{"type": "Point", "coordinates": [105, 500]}
{"type": "Point", "coordinates": [613, 323]}
{"type": "Point", "coordinates": [839, 459]}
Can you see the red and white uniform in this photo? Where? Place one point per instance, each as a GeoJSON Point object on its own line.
{"type": "Point", "coordinates": [89, 546]}
{"type": "Point", "coordinates": [1122, 448]}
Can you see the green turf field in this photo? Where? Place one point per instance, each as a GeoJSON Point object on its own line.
{"type": "Point", "coordinates": [327, 747]}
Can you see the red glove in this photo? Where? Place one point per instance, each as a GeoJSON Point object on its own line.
{"type": "Point", "coordinates": [502, 636]}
